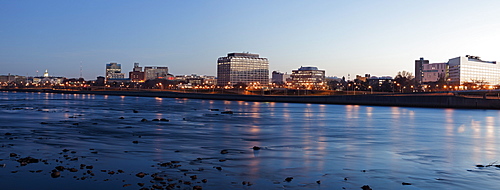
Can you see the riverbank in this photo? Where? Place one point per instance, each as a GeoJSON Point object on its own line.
{"type": "Point", "coordinates": [408, 100]}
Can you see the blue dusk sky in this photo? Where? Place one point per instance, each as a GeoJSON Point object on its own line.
{"type": "Point", "coordinates": [342, 37]}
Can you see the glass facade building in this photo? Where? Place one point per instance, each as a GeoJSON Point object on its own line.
{"type": "Point", "coordinates": [242, 68]}
{"type": "Point", "coordinates": [471, 69]}
{"type": "Point", "coordinates": [114, 71]}
{"type": "Point", "coordinates": [308, 78]}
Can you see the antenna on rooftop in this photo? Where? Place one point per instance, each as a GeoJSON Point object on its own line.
{"type": "Point", "coordinates": [81, 69]}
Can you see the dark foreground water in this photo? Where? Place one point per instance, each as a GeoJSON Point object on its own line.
{"type": "Point", "coordinates": [341, 146]}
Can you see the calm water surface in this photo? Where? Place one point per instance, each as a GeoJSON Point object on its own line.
{"type": "Point", "coordinates": [342, 146]}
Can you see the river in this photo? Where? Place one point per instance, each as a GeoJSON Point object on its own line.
{"type": "Point", "coordinates": [197, 145]}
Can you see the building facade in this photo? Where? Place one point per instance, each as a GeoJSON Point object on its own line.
{"type": "Point", "coordinates": [308, 78]}
{"type": "Point", "coordinates": [434, 71]}
{"type": "Point", "coordinates": [471, 69]}
{"type": "Point", "coordinates": [155, 72]}
{"type": "Point", "coordinates": [278, 77]}
{"type": "Point", "coordinates": [137, 75]}
{"type": "Point", "coordinates": [114, 71]}
{"type": "Point", "coordinates": [242, 68]}
{"type": "Point", "coordinates": [419, 69]}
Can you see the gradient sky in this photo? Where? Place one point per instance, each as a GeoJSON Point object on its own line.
{"type": "Point", "coordinates": [341, 37]}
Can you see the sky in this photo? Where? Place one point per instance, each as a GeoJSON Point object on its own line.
{"type": "Point", "coordinates": [341, 37]}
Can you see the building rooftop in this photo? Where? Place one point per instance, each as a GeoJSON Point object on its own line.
{"type": "Point", "coordinates": [243, 55]}
{"type": "Point", "coordinates": [308, 68]}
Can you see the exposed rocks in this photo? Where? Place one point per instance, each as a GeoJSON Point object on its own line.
{"type": "Point", "coordinates": [404, 183]}
{"type": "Point", "coordinates": [366, 187]}
{"type": "Point", "coordinates": [55, 174]}
{"type": "Point", "coordinates": [256, 148]}
{"type": "Point", "coordinates": [140, 174]}
{"type": "Point", "coordinates": [224, 151]}
{"type": "Point", "coordinates": [27, 160]}
{"type": "Point", "coordinates": [227, 112]}
{"type": "Point", "coordinates": [288, 179]}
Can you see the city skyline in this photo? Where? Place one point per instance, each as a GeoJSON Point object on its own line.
{"type": "Point", "coordinates": [380, 38]}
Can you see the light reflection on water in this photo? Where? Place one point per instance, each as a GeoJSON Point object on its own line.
{"type": "Point", "coordinates": [430, 148]}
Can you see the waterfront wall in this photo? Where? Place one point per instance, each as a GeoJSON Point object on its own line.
{"type": "Point", "coordinates": [417, 100]}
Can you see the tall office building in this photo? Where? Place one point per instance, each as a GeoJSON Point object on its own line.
{"type": "Point", "coordinates": [114, 71]}
{"type": "Point", "coordinates": [308, 78]}
{"type": "Point", "coordinates": [468, 68]}
{"type": "Point", "coordinates": [419, 69]}
{"type": "Point", "coordinates": [242, 68]}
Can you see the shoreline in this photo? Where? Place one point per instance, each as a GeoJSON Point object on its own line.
{"type": "Point", "coordinates": [403, 100]}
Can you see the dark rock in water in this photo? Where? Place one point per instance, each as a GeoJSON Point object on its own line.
{"type": "Point", "coordinates": [366, 187]}
{"type": "Point", "coordinates": [204, 180]}
{"type": "Point", "coordinates": [318, 182]}
{"type": "Point", "coordinates": [214, 109]}
{"type": "Point", "coordinates": [224, 151]}
{"type": "Point", "coordinates": [140, 174]}
{"type": "Point", "coordinates": [143, 120]}
{"type": "Point", "coordinates": [135, 142]}
{"type": "Point", "coordinates": [111, 172]}
{"type": "Point", "coordinates": [193, 177]}
{"type": "Point", "coordinates": [404, 183]}
{"type": "Point", "coordinates": [140, 184]}
{"type": "Point", "coordinates": [7, 134]}
{"type": "Point", "coordinates": [256, 148]}
{"type": "Point", "coordinates": [163, 119]}
{"type": "Point", "coordinates": [13, 154]}
{"type": "Point", "coordinates": [28, 160]}
{"type": "Point", "coordinates": [288, 179]}
{"type": "Point", "coordinates": [155, 120]}
{"type": "Point", "coordinates": [480, 166]}
{"type": "Point", "coordinates": [135, 111]}
{"type": "Point", "coordinates": [75, 124]}
{"type": "Point", "coordinates": [73, 170]}
{"type": "Point", "coordinates": [44, 123]}
{"type": "Point", "coordinates": [227, 112]}
{"type": "Point", "coordinates": [166, 164]}
{"type": "Point", "coordinates": [121, 118]}
{"type": "Point", "coordinates": [65, 150]}
{"type": "Point", "coordinates": [120, 171]}
{"type": "Point", "coordinates": [60, 168]}
{"type": "Point", "coordinates": [126, 185]}
{"type": "Point", "coordinates": [55, 174]}
{"type": "Point", "coordinates": [218, 168]}
{"type": "Point", "coordinates": [197, 187]}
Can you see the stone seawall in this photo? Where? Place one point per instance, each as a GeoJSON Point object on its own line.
{"type": "Point", "coordinates": [409, 100]}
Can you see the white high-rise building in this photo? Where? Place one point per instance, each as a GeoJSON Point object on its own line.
{"type": "Point", "coordinates": [471, 69]}
{"type": "Point", "coordinates": [242, 68]}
